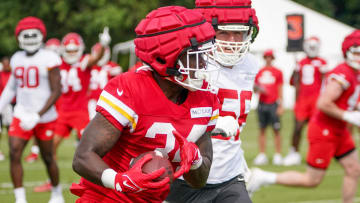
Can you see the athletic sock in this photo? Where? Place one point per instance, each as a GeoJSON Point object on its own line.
{"type": "Point", "coordinates": [56, 190]}
{"type": "Point", "coordinates": [19, 193]}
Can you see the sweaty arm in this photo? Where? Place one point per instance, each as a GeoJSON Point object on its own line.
{"type": "Point", "coordinates": [197, 178]}
{"type": "Point", "coordinates": [55, 88]}
{"type": "Point", "coordinates": [98, 138]}
{"type": "Point", "coordinates": [8, 94]}
{"type": "Point", "coordinates": [326, 101]}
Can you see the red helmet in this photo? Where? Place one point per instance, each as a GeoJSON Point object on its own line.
{"type": "Point", "coordinates": [30, 23]}
{"type": "Point", "coordinates": [30, 33]}
{"type": "Point", "coordinates": [168, 32]}
{"type": "Point", "coordinates": [53, 44]}
{"type": "Point", "coordinates": [231, 15]}
{"type": "Point", "coordinates": [350, 46]}
{"type": "Point", "coordinates": [352, 39]}
{"type": "Point", "coordinates": [72, 46]}
{"type": "Point", "coordinates": [105, 58]}
{"type": "Point", "coordinates": [269, 52]}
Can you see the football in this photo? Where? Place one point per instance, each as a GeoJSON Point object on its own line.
{"type": "Point", "coordinates": [154, 164]}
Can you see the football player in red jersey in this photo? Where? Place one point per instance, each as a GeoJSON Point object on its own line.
{"type": "Point", "coordinates": [269, 84]}
{"type": "Point", "coordinates": [328, 135]}
{"type": "Point", "coordinates": [6, 115]}
{"type": "Point", "coordinates": [35, 81]}
{"type": "Point", "coordinates": [75, 73]}
{"type": "Point", "coordinates": [101, 73]}
{"type": "Point", "coordinates": [307, 79]}
{"type": "Point", "coordinates": [164, 105]}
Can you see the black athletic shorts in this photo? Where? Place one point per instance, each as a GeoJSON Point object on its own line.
{"type": "Point", "coordinates": [232, 191]}
{"type": "Point", "coordinates": [267, 115]}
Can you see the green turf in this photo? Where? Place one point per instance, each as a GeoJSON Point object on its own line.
{"type": "Point", "coordinates": [329, 191]}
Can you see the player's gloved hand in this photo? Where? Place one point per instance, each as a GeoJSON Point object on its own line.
{"type": "Point", "coordinates": [134, 180]}
{"type": "Point", "coordinates": [191, 158]}
{"type": "Point", "coordinates": [104, 37]}
{"type": "Point", "coordinates": [352, 117]}
{"type": "Point", "coordinates": [29, 120]}
{"type": "Point", "coordinates": [226, 126]}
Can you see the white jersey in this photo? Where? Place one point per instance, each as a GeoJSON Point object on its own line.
{"type": "Point", "coordinates": [30, 79]}
{"type": "Point", "coordinates": [234, 89]}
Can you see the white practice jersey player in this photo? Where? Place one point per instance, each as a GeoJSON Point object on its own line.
{"type": "Point", "coordinates": [30, 80]}
{"type": "Point", "coordinates": [234, 89]}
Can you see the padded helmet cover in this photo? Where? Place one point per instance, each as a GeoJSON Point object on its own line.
{"type": "Point", "coordinates": [168, 31]}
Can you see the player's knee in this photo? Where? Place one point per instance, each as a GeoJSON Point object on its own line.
{"type": "Point", "coordinates": [15, 153]}
{"type": "Point", "coordinates": [313, 181]}
{"type": "Point", "coordinates": [353, 170]}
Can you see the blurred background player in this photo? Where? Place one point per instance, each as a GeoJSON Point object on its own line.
{"type": "Point", "coordinates": [236, 26]}
{"type": "Point", "coordinates": [165, 106]}
{"type": "Point", "coordinates": [52, 44]}
{"type": "Point", "coordinates": [307, 79]}
{"type": "Point", "coordinates": [101, 73]}
{"type": "Point", "coordinates": [6, 114]}
{"type": "Point", "coordinates": [269, 85]}
{"type": "Point", "coordinates": [35, 81]}
{"type": "Point", "coordinates": [75, 79]}
{"type": "Point", "coordinates": [328, 135]}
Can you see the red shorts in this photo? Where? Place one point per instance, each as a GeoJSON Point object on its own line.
{"type": "Point", "coordinates": [42, 131]}
{"type": "Point", "coordinates": [326, 143]}
{"type": "Point", "coordinates": [71, 120]}
{"type": "Point", "coordinates": [304, 108]}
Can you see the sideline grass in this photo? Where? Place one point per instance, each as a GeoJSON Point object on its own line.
{"type": "Point", "coordinates": [328, 191]}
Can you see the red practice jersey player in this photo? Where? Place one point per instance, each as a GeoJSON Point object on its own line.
{"type": "Point", "coordinates": [101, 73]}
{"type": "Point", "coordinates": [75, 79]}
{"type": "Point", "coordinates": [165, 106]}
{"type": "Point", "coordinates": [307, 79]}
{"type": "Point", "coordinates": [328, 135]}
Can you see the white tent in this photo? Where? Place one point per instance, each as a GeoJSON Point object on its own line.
{"type": "Point", "coordinates": [273, 34]}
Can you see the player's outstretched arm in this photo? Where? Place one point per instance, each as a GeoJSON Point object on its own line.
{"type": "Point", "coordinates": [104, 39]}
{"type": "Point", "coordinates": [195, 167]}
{"type": "Point", "coordinates": [98, 138]}
{"type": "Point", "coordinates": [55, 88]}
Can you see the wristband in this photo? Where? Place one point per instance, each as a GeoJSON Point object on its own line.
{"type": "Point", "coordinates": [108, 178]}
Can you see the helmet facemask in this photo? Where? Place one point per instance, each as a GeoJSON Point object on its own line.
{"type": "Point", "coordinates": [312, 48]}
{"type": "Point", "coordinates": [30, 40]}
{"type": "Point", "coordinates": [194, 72]}
{"type": "Point", "coordinates": [230, 53]}
{"type": "Point", "coordinates": [72, 53]}
{"type": "Point", "coordinates": [353, 57]}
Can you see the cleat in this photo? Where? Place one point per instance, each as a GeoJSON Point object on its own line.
{"type": "Point", "coordinates": [46, 187]}
{"type": "Point", "coordinates": [293, 158]}
{"type": "Point", "coordinates": [277, 159]}
{"type": "Point", "coordinates": [260, 159]}
{"type": "Point", "coordinates": [32, 157]}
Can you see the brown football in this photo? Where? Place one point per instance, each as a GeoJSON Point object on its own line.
{"type": "Point", "coordinates": [154, 164]}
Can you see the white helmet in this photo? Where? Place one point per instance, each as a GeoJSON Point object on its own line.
{"type": "Point", "coordinates": [312, 47]}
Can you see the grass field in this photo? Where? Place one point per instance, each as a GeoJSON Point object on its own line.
{"type": "Point", "coordinates": [328, 192]}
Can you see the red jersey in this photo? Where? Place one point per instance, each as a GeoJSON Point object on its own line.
{"type": "Point", "coordinates": [134, 103]}
{"type": "Point", "coordinates": [350, 81]}
{"type": "Point", "coordinates": [100, 76]}
{"type": "Point", "coordinates": [75, 80]}
{"type": "Point", "coordinates": [310, 76]}
{"type": "Point", "coordinates": [4, 77]}
{"type": "Point", "coordinates": [269, 78]}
